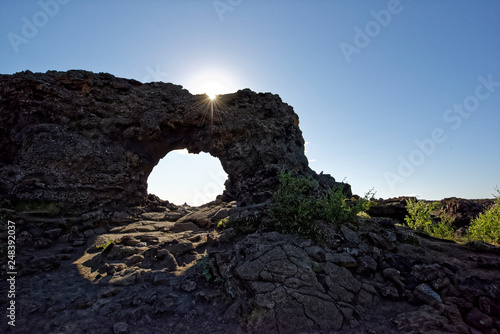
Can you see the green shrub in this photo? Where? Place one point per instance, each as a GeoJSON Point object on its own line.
{"type": "Point", "coordinates": [208, 270]}
{"type": "Point", "coordinates": [435, 206]}
{"type": "Point", "coordinates": [444, 228]}
{"type": "Point", "coordinates": [420, 218]}
{"type": "Point", "coordinates": [486, 227]}
{"type": "Point", "coordinates": [419, 215]}
{"type": "Point", "coordinates": [294, 210]}
{"type": "Point", "coordinates": [297, 207]}
{"type": "Point", "coordinates": [333, 207]}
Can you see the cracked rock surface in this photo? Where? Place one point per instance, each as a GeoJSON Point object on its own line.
{"type": "Point", "coordinates": [290, 290]}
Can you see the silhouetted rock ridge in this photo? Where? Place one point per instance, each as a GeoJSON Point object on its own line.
{"type": "Point", "coordinates": [91, 140]}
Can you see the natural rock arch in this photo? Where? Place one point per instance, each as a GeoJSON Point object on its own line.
{"type": "Point", "coordinates": [91, 140]}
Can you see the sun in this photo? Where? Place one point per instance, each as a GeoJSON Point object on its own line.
{"type": "Point", "coordinates": [212, 88]}
{"type": "Point", "coordinates": [211, 81]}
{"type": "Point", "coordinates": [213, 84]}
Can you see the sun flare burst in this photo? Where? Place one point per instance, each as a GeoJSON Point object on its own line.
{"type": "Point", "coordinates": [211, 108]}
{"type": "Point", "coordinates": [212, 83]}
{"type": "Point", "coordinates": [212, 89]}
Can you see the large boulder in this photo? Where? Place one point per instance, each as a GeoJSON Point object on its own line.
{"type": "Point", "coordinates": [394, 208]}
{"type": "Point", "coordinates": [87, 141]}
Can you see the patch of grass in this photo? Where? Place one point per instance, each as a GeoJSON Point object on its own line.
{"type": "Point", "coordinates": [486, 227]}
{"type": "Point", "coordinates": [223, 223]}
{"type": "Point", "coordinates": [363, 214]}
{"type": "Point", "coordinates": [105, 245]}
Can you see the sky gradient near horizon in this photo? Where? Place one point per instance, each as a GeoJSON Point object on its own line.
{"type": "Point", "coordinates": [399, 96]}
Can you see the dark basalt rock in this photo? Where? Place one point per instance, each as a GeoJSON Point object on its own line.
{"type": "Point", "coordinates": [394, 208]}
{"type": "Point", "coordinates": [88, 141]}
{"type": "Point", "coordinates": [463, 210]}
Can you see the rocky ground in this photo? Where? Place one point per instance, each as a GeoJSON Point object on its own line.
{"type": "Point", "coordinates": [166, 269]}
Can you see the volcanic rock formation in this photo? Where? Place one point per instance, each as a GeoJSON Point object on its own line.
{"type": "Point", "coordinates": [85, 140]}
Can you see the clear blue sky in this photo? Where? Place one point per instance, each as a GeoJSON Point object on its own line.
{"type": "Point", "coordinates": [368, 79]}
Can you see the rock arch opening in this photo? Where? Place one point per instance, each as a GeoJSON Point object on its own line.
{"type": "Point", "coordinates": [184, 178]}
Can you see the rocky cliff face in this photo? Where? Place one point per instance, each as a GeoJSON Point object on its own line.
{"type": "Point", "coordinates": [88, 140]}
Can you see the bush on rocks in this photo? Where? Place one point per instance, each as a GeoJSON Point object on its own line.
{"type": "Point", "coordinates": [486, 227]}
{"type": "Point", "coordinates": [298, 205]}
{"type": "Point", "coordinates": [420, 218]}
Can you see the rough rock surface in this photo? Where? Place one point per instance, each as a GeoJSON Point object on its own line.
{"type": "Point", "coordinates": [393, 208]}
{"type": "Point", "coordinates": [87, 141]}
{"type": "Point", "coordinates": [463, 210]}
{"type": "Point", "coordinates": [285, 290]}
{"type": "Point", "coordinates": [176, 274]}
